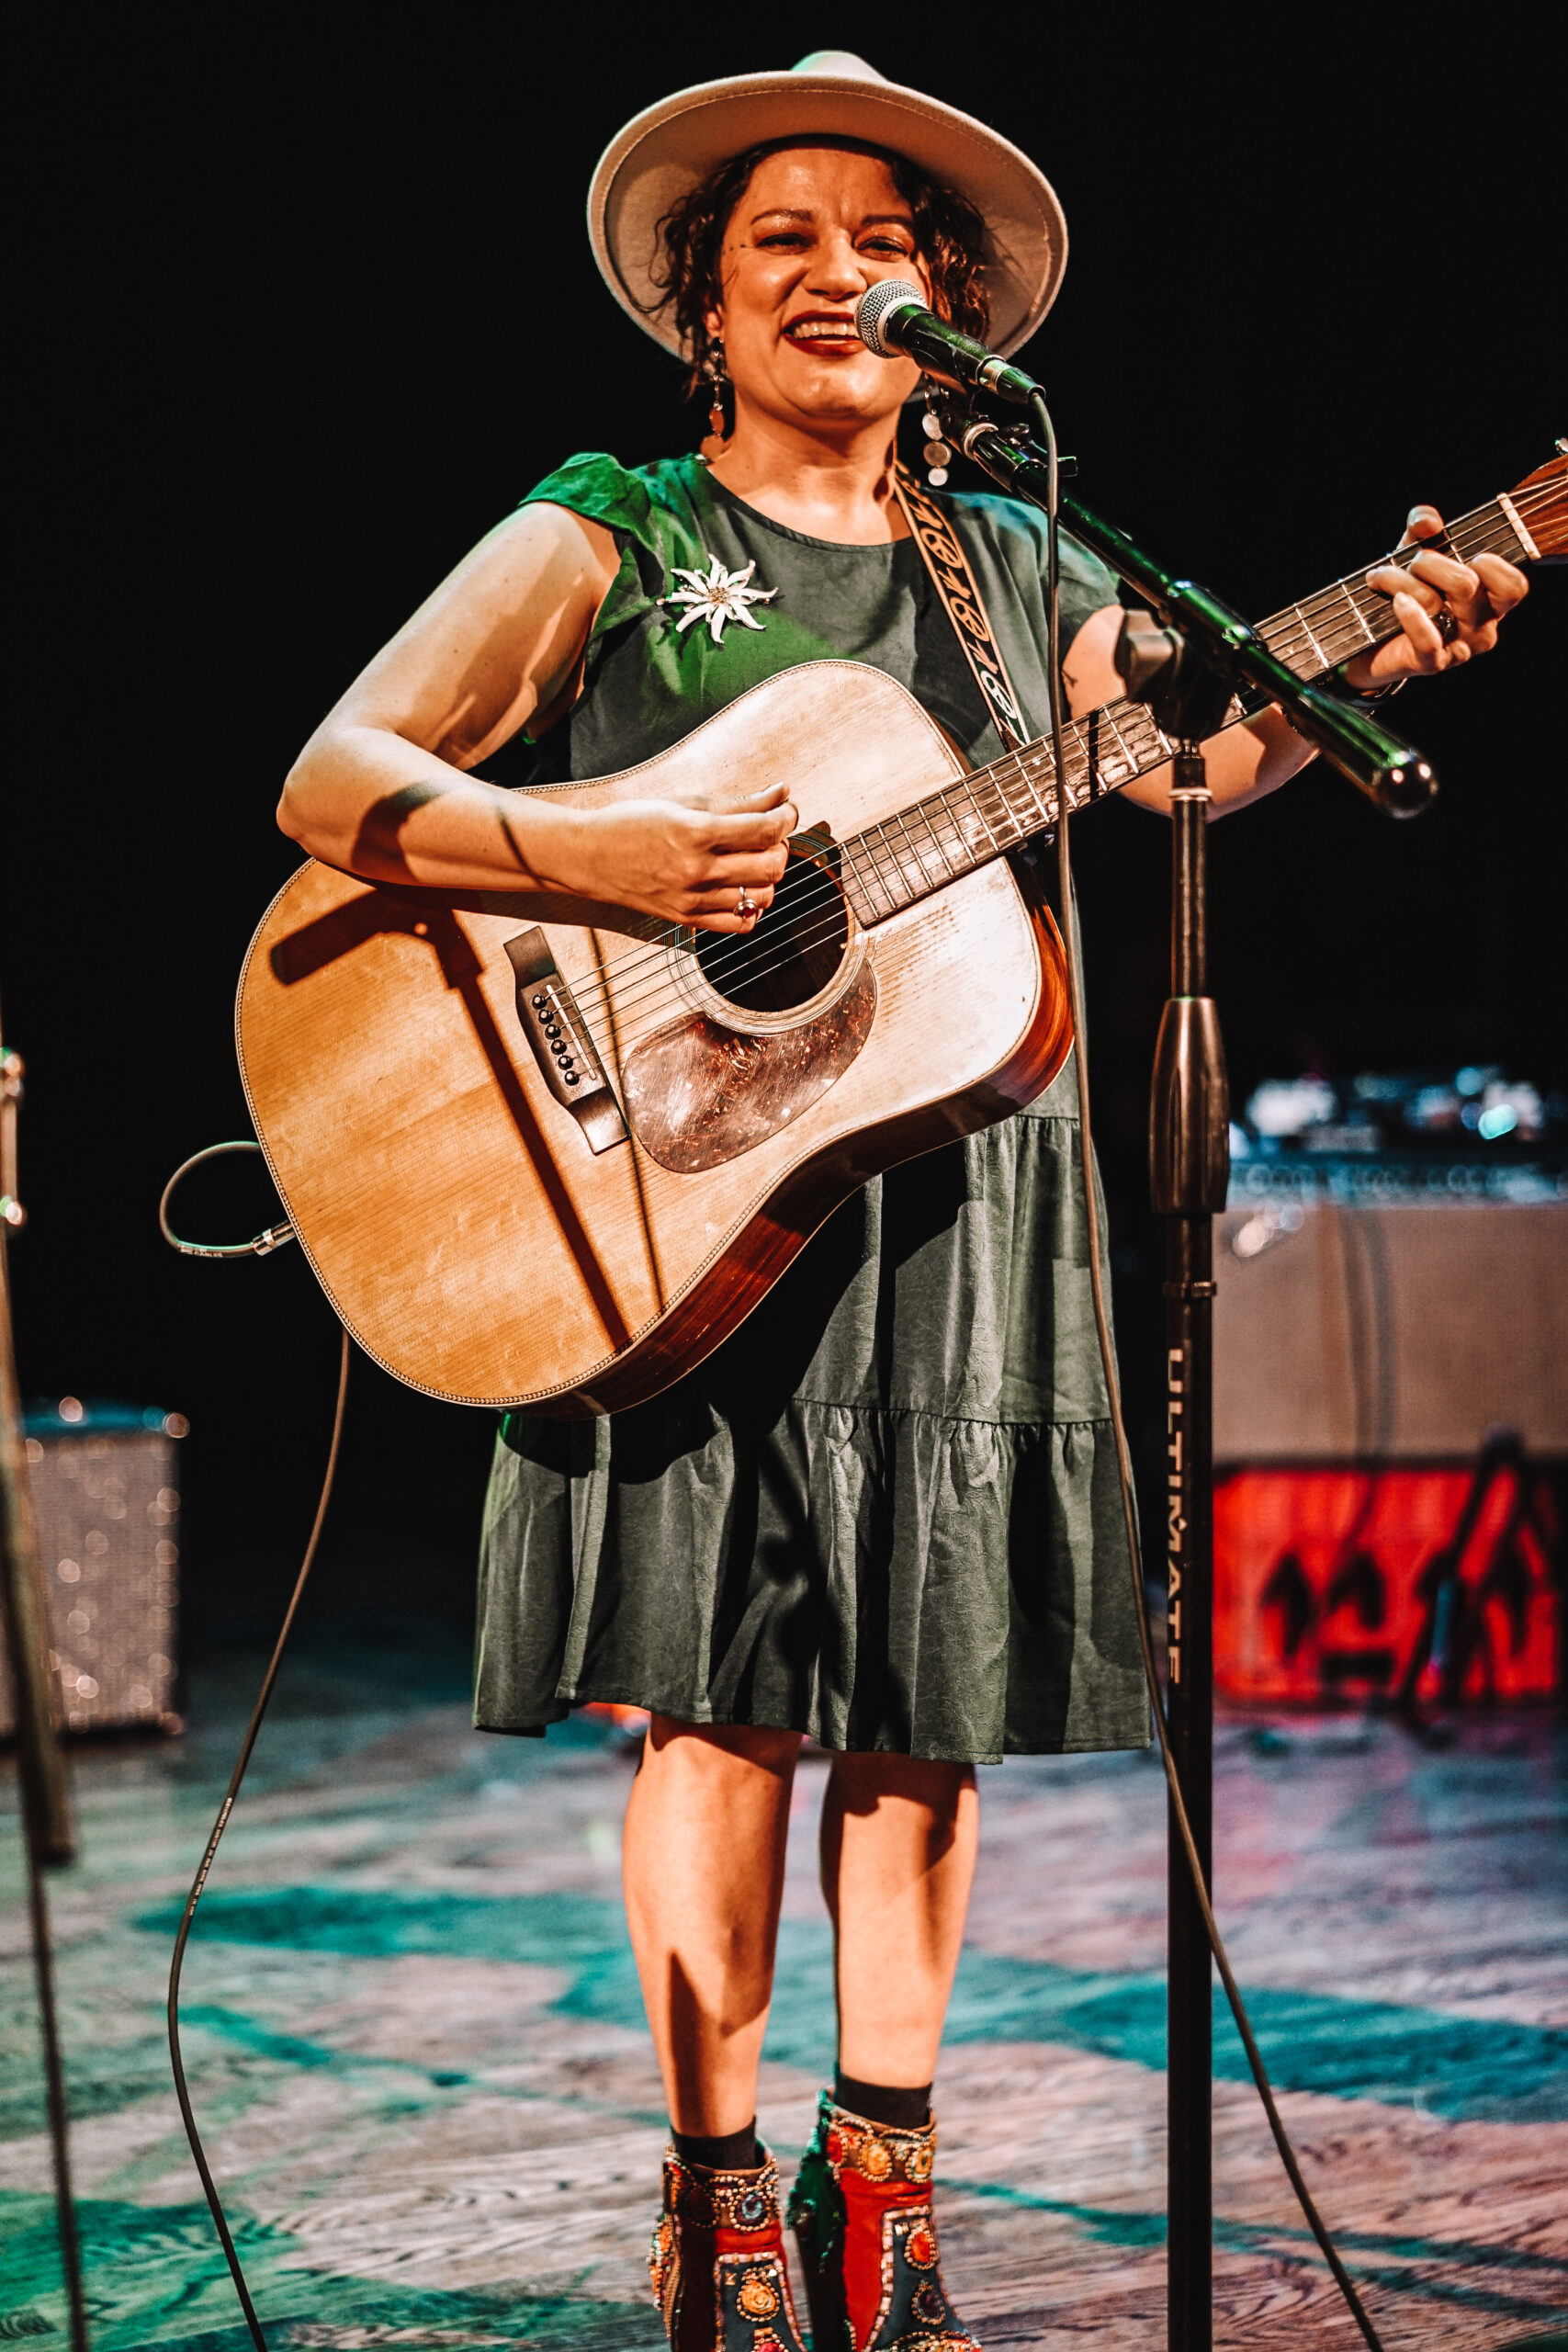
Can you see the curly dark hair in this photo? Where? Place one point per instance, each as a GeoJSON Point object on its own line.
{"type": "Point", "coordinates": [949, 238]}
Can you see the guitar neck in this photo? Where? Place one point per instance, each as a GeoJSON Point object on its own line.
{"type": "Point", "coordinates": [993, 809]}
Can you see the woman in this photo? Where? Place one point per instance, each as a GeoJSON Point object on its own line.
{"type": "Point", "coordinates": [884, 1513]}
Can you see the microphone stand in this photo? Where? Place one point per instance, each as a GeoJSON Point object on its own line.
{"type": "Point", "coordinates": [47, 1828]}
{"type": "Point", "coordinates": [1189, 1173]}
{"type": "Point", "coordinates": [1187, 673]}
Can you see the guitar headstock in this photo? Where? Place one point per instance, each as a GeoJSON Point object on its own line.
{"type": "Point", "coordinates": [1541, 500]}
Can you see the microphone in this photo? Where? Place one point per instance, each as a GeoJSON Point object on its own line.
{"type": "Point", "coordinates": [892, 321]}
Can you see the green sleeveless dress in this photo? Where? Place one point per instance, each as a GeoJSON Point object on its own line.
{"type": "Point", "coordinates": [885, 1511]}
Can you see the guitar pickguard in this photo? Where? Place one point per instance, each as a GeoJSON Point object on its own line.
{"type": "Point", "coordinates": [698, 1094]}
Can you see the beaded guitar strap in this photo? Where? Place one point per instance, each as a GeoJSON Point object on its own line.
{"type": "Point", "coordinates": [949, 567]}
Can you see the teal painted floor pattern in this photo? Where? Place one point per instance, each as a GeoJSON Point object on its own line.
{"type": "Point", "coordinates": [417, 2048]}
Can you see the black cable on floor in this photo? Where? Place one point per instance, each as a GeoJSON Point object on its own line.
{"type": "Point", "coordinates": [247, 1744]}
{"type": "Point", "coordinates": [1123, 1453]}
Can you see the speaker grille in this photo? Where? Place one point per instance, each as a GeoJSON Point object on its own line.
{"type": "Point", "coordinates": [108, 1510]}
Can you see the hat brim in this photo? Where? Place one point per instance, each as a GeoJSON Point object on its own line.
{"type": "Point", "coordinates": [671, 148]}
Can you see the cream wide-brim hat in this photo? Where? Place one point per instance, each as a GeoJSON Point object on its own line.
{"type": "Point", "coordinates": [671, 148]}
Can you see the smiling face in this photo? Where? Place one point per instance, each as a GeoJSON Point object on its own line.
{"type": "Point", "coordinates": [813, 228]}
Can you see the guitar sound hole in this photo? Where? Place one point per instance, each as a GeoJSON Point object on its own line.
{"type": "Point", "coordinates": [792, 953]}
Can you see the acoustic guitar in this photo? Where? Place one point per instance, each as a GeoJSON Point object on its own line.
{"type": "Point", "coordinates": [542, 1153]}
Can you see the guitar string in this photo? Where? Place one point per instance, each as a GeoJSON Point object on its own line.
{"type": "Point", "coordinates": [923, 865]}
{"type": "Point", "coordinates": [880, 869]}
{"type": "Point", "coordinates": [1331, 641]}
{"type": "Point", "coordinates": [943, 827]}
{"type": "Point", "coordinates": [1294, 630]}
{"type": "Point", "coordinates": [917, 878]}
{"type": "Point", "coordinates": [1486, 531]}
{"type": "Point", "coordinates": [1476, 533]}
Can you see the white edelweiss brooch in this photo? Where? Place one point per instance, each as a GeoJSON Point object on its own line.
{"type": "Point", "coordinates": [715, 596]}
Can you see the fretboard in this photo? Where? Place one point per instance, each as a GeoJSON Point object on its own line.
{"type": "Point", "coordinates": [992, 809]}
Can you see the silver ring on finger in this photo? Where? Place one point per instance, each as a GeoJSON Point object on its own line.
{"type": "Point", "coordinates": [1443, 622]}
{"type": "Point", "coordinates": [744, 904]}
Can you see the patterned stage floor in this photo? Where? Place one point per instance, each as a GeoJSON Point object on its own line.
{"type": "Point", "coordinates": [416, 2045]}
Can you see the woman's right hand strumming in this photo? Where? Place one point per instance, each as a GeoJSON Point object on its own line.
{"type": "Point", "coordinates": [683, 865]}
{"type": "Point", "coordinates": [381, 789]}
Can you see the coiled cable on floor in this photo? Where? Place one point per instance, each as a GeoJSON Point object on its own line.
{"type": "Point", "coordinates": [188, 1916]}
{"type": "Point", "coordinates": [1123, 1451]}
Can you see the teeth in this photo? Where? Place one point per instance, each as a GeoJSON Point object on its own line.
{"type": "Point", "coordinates": [824, 330]}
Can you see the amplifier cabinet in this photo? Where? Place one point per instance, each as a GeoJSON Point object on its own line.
{"type": "Point", "coordinates": [105, 1497]}
{"type": "Point", "coordinates": [1395, 1333]}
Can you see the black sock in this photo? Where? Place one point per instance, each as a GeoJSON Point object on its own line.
{"type": "Point", "coordinates": [901, 2110]}
{"type": "Point", "coordinates": [731, 2151]}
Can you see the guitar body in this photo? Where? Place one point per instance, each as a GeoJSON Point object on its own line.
{"type": "Point", "coordinates": [495, 1230]}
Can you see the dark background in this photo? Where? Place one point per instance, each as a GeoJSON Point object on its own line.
{"type": "Point", "coordinates": [306, 305]}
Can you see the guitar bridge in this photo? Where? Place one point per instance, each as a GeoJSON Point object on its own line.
{"type": "Point", "coordinates": [568, 1059]}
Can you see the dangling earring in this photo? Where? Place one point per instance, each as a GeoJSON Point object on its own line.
{"type": "Point", "coordinates": [717, 375]}
{"type": "Point", "coordinates": [938, 456]}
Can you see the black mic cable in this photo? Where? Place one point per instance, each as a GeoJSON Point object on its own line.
{"type": "Point", "coordinates": [1342, 2278]}
{"type": "Point", "coordinates": [894, 321]}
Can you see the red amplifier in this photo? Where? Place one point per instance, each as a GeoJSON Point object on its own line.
{"type": "Point", "coordinates": [1425, 1586]}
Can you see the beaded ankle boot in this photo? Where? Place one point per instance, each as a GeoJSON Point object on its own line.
{"type": "Point", "coordinates": [717, 2261]}
{"type": "Point", "coordinates": [861, 2211]}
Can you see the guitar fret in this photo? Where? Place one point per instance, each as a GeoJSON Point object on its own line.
{"type": "Point", "coordinates": [1340, 643]}
{"type": "Point", "coordinates": [861, 883]}
{"type": "Point", "coordinates": [909, 880]}
{"type": "Point", "coordinates": [1359, 618]}
{"type": "Point", "coordinates": [912, 869]}
{"type": "Point", "coordinates": [901, 820]}
{"type": "Point", "coordinates": [967, 787]}
{"type": "Point", "coordinates": [916, 852]}
{"type": "Point", "coordinates": [1110, 719]}
{"type": "Point", "coordinates": [1000, 772]}
{"type": "Point", "coordinates": [936, 842]}
{"type": "Point", "coordinates": [1047, 784]}
{"type": "Point", "coordinates": [1079, 784]}
{"type": "Point", "coordinates": [1011, 825]}
{"type": "Point", "coordinates": [1031, 787]}
{"type": "Point", "coordinates": [978, 837]}
{"type": "Point", "coordinates": [1069, 796]}
{"type": "Point", "coordinates": [1084, 740]}
{"type": "Point", "coordinates": [1311, 638]}
{"type": "Point", "coordinates": [889, 878]}
{"type": "Point", "coordinates": [1003, 819]}
{"type": "Point", "coordinates": [1101, 772]}
{"type": "Point", "coordinates": [940, 823]}
{"type": "Point", "coordinates": [944, 832]}
{"type": "Point", "coordinates": [1147, 744]}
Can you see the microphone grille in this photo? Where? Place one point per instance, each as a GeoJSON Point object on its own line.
{"type": "Point", "coordinates": [875, 303]}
